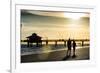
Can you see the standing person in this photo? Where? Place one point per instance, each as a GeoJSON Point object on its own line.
{"type": "Point", "coordinates": [74, 48]}
{"type": "Point", "coordinates": [69, 49]}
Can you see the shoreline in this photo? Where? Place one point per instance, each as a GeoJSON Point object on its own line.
{"type": "Point", "coordinates": [40, 51]}
{"type": "Point", "coordinates": [81, 54]}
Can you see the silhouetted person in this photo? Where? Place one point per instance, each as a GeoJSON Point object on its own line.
{"type": "Point", "coordinates": [74, 48]}
{"type": "Point", "coordinates": [69, 49]}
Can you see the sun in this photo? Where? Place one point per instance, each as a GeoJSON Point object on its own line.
{"type": "Point", "coordinates": [75, 16]}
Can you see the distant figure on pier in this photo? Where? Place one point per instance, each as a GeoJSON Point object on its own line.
{"type": "Point", "coordinates": [69, 49]}
{"type": "Point", "coordinates": [34, 38]}
{"type": "Point", "coordinates": [74, 48]}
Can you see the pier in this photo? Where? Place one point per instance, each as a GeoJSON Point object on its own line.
{"type": "Point", "coordinates": [59, 40]}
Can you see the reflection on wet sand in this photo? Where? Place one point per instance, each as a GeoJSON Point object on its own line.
{"type": "Point", "coordinates": [52, 53]}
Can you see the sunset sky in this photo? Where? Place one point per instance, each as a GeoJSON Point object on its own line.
{"type": "Point", "coordinates": [55, 25]}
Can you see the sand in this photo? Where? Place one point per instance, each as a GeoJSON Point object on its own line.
{"type": "Point", "coordinates": [52, 54]}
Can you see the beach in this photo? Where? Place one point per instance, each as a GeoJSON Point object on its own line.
{"type": "Point", "coordinates": [52, 53]}
{"type": "Point", "coordinates": [52, 29]}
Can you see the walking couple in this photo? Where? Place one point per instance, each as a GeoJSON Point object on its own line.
{"type": "Point", "coordinates": [70, 44]}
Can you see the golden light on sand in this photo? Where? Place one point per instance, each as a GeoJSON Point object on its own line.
{"type": "Point", "coordinates": [46, 52]}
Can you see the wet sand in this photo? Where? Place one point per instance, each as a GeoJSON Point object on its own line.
{"type": "Point", "coordinates": [57, 55]}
